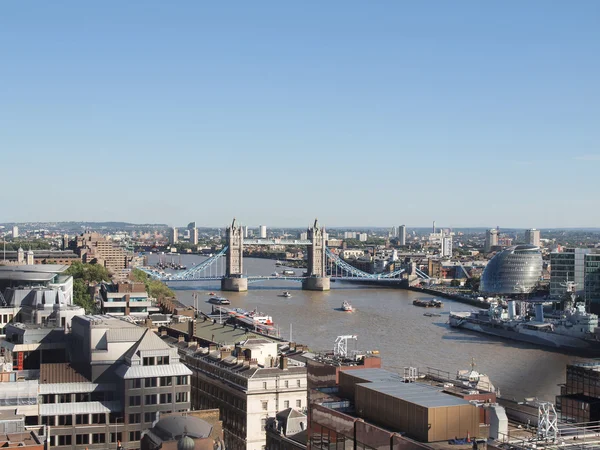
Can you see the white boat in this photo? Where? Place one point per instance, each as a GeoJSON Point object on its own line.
{"type": "Point", "coordinates": [286, 294]}
{"type": "Point", "coordinates": [275, 274]}
{"type": "Point", "coordinates": [288, 272]}
{"type": "Point", "coordinates": [347, 307]}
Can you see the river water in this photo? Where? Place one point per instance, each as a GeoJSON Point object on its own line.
{"type": "Point", "coordinates": [386, 320]}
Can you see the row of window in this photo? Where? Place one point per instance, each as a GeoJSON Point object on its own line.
{"type": "Point", "coordinates": [181, 380]}
{"type": "Point", "coordinates": [158, 399]}
{"type": "Point", "coordinates": [155, 361]}
{"type": "Point", "coordinates": [80, 419]}
{"type": "Point", "coordinates": [77, 398]}
{"type": "Point", "coordinates": [286, 384]}
{"type": "Point", "coordinates": [286, 404]}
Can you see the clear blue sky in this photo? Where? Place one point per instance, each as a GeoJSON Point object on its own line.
{"type": "Point", "coordinates": [469, 113]}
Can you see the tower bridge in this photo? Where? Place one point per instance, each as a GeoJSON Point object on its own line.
{"type": "Point", "coordinates": [322, 266]}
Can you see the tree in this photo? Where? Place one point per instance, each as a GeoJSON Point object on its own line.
{"type": "Point", "coordinates": [83, 276]}
{"type": "Point", "coordinates": [155, 288]}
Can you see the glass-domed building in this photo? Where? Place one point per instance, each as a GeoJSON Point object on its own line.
{"type": "Point", "coordinates": [514, 270]}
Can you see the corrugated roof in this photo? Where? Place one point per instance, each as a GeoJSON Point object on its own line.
{"type": "Point", "coordinates": [170, 370]}
{"type": "Point", "coordinates": [74, 388]}
{"type": "Point", "coordinates": [128, 334]}
{"type": "Point", "coordinates": [58, 409]}
{"type": "Point", "coordinates": [417, 393]}
{"type": "Point", "coordinates": [61, 373]}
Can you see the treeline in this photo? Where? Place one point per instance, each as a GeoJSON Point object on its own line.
{"type": "Point", "coordinates": [83, 276]}
{"type": "Point", "coordinates": [155, 288]}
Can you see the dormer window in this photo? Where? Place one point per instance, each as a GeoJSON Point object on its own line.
{"type": "Point", "coordinates": [162, 361]}
{"type": "Point", "coordinates": [149, 361]}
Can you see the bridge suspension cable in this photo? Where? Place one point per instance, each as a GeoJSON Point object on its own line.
{"type": "Point", "coordinates": [338, 268]}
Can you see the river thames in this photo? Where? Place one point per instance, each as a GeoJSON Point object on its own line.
{"type": "Point", "coordinates": [386, 320]}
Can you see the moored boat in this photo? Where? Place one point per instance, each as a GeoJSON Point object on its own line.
{"type": "Point", "coordinates": [433, 303]}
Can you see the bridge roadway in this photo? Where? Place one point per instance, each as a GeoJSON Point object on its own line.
{"type": "Point", "coordinates": [277, 242]}
{"type": "Point", "coordinates": [258, 278]}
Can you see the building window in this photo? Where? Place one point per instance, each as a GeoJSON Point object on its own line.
{"type": "Point", "coordinates": [166, 398]}
{"type": "Point", "coordinates": [135, 435]}
{"type": "Point", "coordinates": [64, 439]}
{"type": "Point", "coordinates": [150, 382]}
{"type": "Point", "coordinates": [166, 381]}
{"type": "Point", "coordinates": [82, 439]}
{"type": "Point", "coordinates": [117, 437]}
{"type": "Point", "coordinates": [135, 400]}
{"type": "Point", "coordinates": [181, 380]}
{"type": "Point", "coordinates": [263, 423]}
{"type": "Point", "coordinates": [149, 417]}
{"type": "Point", "coordinates": [264, 384]}
{"type": "Point", "coordinates": [47, 399]}
{"type": "Point", "coordinates": [287, 384]}
{"type": "Point", "coordinates": [298, 403]}
{"type": "Point", "coordinates": [48, 420]}
{"type": "Point", "coordinates": [150, 399]}
{"type": "Point", "coordinates": [98, 438]}
{"type": "Point", "coordinates": [83, 397]}
{"type": "Point", "coordinates": [265, 405]}
{"type": "Point", "coordinates": [82, 419]}
{"type": "Point", "coordinates": [134, 418]}
{"type": "Point", "coordinates": [162, 360]}
{"type": "Point", "coordinates": [136, 384]}
{"type": "Point", "coordinates": [65, 420]}
{"type": "Point", "coordinates": [149, 361]}
{"type": "Point", "coordinates": [98, 418]}
{"type": "Point", "coordinates": [64, 398]}
{"type": "Point", "coordinates": [298, 383]}
{"type": "Point", "coordinates": [181, 397]}
{"type": "Point", "coordinates": [286, 404]}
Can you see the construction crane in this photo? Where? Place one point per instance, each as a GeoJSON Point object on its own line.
{"type": "Point", "coordinates": [340, 346]}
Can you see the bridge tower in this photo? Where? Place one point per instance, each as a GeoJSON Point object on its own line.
{"type": "Point", "coordinates": [317, 273]}
{"type": "Point", "coordinates": [234, 279]}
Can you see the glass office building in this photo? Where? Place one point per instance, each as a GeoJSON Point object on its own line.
{"type": "Point", "coordinates": [515, 270]}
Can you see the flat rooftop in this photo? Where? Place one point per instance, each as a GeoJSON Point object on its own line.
{"type": "Point", "coordinates": [106, 321]}
{"type": "Point", "coordinates": [217, 333]}
{"type": "Point", "coordinates": [415, 393]}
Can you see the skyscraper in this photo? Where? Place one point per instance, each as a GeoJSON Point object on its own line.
{"type": "Point", "coordinates": [263, 231]}
{"type": "Point", "coordinates": [173, 235]}
{"type": "Point", "coordinates": [532, 236]}
{"type": "Point", "coordinates": [447, 245]}
{"type": "Point", "coordinates": [402, 234]}
{"type": "Point", "coordinates": [491, 239]}
{"type": "Point", "coordinates": [193, 233]}
{"type": "Point", "coordinates": [15, 232]}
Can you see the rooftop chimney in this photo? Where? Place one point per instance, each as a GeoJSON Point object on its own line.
{"type": "Point", "coordinates": [283, 362]}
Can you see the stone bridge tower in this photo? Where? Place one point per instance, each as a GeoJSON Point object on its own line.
{"type": "Point", "coordinates": [317, 271]}
{"type": "Point", "coordinates": [234, 279]}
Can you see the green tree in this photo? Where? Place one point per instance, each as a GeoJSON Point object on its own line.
{"type": "Point", "coordinates": [83, 276]}
{"type": "Point", "coordinates": [155, 288]}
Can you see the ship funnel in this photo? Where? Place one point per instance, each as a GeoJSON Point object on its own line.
{"type": "Point", "coordinates": [512, 309]}
{"type": "Point", "coordinates": [539, 312]}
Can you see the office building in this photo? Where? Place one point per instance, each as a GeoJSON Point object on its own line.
{"type": "Point", "coordinates": [446, 250]}
{"type": "Point", "coordinates": [200, 430]}
{"type": "Point", "coordinates": [13, 433]}
{"type": "Point", "coordinates": [532, 237]}
{"type": "Point", "coordinates": [515, 270]}
{"type": "Point", "coordinates": [491, 240]}
{"type": "Point", "coordinates": [193, 231]}
{"type": "Point", "coordinates": [592, 280]}
{"type": "Point", "coordinates": [568, 265]}
{"type": "Point", "coordinates": [15, 231]}
{"type": "Point", "coordinates": [248, 382]}
{"type": "Point", "coordinates": [173, 235]}
{"type": "Point", "coordinates": [95, 248]}
{"type": "Point", "coordinates": [119, 381]}
{"type": "Point", "coordinates": [579, 399]}
{"type": "Point", "coordinates": [402, 235]}
{"type": "Point", "coordinates": [125, 298]}
{"type": "Point", "coordinates": [263, 232]}
{"type": "Point", "coordinates": [19, 257]}
{"type": "Point", "coordinates": [394, 232]}
{"type": "Point", "coordinates": [362, 237]}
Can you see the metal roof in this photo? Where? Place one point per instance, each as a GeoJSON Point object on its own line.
{"type": "Point", "coordinates": [58, 409]}
{"type": "Point", "coordinates": [74, 388]}
{"type": "Point", "coordinates": [37, 268]}
{"type": "Point", "coordinates": [169, 370]}
{"type": "Point", "coordinates": [128, 334]}
{"type": "Point", "coordinates": [417, 393]}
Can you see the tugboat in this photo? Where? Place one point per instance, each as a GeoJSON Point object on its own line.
{"type": "Point", "coordinates": [219, 301]}
{"type": "Point", "coordinates": [347, 307]}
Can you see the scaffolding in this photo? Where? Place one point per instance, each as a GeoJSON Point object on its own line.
{"type": "Point", "coordinates": [547, 422]}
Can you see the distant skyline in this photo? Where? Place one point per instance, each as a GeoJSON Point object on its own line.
{"type": "Point", "coordinates": [473, 114]}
